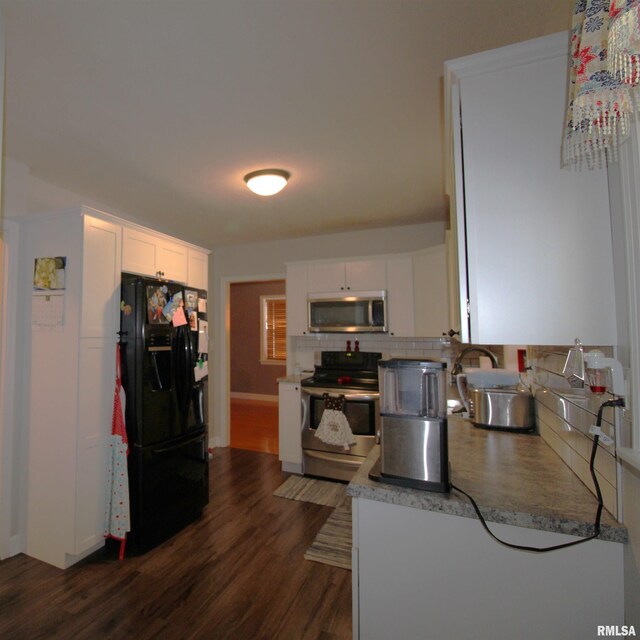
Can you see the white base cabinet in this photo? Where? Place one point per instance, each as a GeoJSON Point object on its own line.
{"type": "Point", "coordinates": [290, 426]}
{"type": "Point", "coordinates": [535, 239]}
{"type": "Point", "coordinates": [423, 574]}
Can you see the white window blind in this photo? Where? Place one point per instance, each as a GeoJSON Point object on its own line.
{"type": "Point", "coordinates": [274, 328]}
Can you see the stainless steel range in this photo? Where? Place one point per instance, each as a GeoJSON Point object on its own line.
{"type": "Point", "coordinates": [354, 375]}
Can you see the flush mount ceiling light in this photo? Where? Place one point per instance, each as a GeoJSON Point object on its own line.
{"type": "Point", "coordinates": [267, 182]}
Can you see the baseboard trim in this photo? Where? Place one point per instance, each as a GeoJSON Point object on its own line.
{"type": "Point", "coordinates": [239, 395]}
{"type": "Point", "coordinates": [292, 467]}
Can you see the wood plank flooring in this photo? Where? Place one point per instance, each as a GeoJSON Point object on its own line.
{"type": "Point", "coordinates": [254, 425]}
{"type": "Point", "coordinates": [238, 573]}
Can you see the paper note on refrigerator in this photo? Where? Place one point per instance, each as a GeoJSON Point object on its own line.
{"type": "Point", "coordinates": [202, 305]}
{"type": "Point", "coordinates": [178, 319]}
{"type": "Point", "coordinates": [201, 370]}
{"type": "Point", "coordinates": [203, 336]}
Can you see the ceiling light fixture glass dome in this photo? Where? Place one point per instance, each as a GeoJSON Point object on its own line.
{"type": "Point", "coordinates": [267, 182]}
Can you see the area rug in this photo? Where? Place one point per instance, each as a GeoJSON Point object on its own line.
{"type": "Point", "coordinates": [332, 544]}
{"type": "Point", "coordinates": [324, 492]}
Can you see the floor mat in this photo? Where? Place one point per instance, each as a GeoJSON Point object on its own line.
{"type": "Point", "coordinates": [332, 545]}
{"type": "Point", "coordinates": [323, 492]}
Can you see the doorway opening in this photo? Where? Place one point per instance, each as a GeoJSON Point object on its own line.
{"type": "Point", "coordinates": [255, 364]}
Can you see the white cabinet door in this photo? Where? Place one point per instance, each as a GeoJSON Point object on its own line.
{"type": "Point", "coordinates": [357, 275]}
{"type": "Point", "coordinates": [325, 277]}
{"type": "Point", "coordinates": [289, 423]}
{"type": "Point", "coordinates": [198, 269]}
{"type": "Point", "coordinates": [101, 273]}
{"type": "Point", "coordinates": [151, 255]}
{"type": "Point", "coordinates": [400, 298]}
{"type": "Point", "coordinates": [538, 238]}
{"type": "Point", "coordinates": [430, 292]}
{"type": "Point", "coordinates": [453, 287]}
{"type": "Point", "coordinates": [173, 261]}
{"type": "Point", "coordinates": [95, 405]}
{"type": "Point", "coordinates": [296, 293]}
{"type": "Point", "coordinates": [366, 275]}
{"type": "Point", "coordinates": [139, 252]}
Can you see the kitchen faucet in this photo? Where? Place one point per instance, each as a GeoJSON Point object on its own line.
{"type": "Point", "coordinates": [457, 365]}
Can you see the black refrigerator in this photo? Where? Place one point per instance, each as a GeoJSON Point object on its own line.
{"type": "Point", "coordinates": [164, 362]}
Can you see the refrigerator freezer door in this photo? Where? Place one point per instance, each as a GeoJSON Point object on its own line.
{"type": "Point", "coordinates": [169, 488]}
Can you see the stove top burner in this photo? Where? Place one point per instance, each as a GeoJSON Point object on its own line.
{"type": "Point", "coordinates": [349, 370]}
{"type": "Point", "coordinates": [348, 381]}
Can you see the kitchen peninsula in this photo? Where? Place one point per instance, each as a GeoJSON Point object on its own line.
{"type": "Point", "coordinates": [425, 568]}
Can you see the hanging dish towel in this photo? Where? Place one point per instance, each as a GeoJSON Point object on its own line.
{"type": "Point", "coordinates": [117, 517]}
{"type": "Point", "coordinates": [334, 427]}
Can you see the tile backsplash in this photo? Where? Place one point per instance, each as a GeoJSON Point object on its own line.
{"type": "Point", "coordinates": [564, 417]}
{"type": "Point", "coordinates": [307, 348]}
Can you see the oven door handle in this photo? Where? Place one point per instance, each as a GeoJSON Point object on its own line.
{"type": "Point", "coordinates": [318, 392]}
{"type": "Point", "coordinates": [304, 414]}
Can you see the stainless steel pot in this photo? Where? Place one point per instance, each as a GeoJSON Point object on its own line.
{"type": "Point", "coordinates": [511, 409]}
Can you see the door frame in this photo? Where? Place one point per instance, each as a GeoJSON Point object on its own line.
{"type": "Point", "coordinates": [222, 390]}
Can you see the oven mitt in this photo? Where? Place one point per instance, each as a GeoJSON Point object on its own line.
{"type": "Point", "coordinates": [334, 427]}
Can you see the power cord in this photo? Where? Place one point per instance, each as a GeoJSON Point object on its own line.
{"type": "Point", "coordinates": [617, 402]}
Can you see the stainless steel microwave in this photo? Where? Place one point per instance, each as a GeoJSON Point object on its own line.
{"type": "Point", "coordinates": [358, 312]}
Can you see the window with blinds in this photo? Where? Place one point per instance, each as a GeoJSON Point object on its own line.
{"type": "Point", "coordinates": [274, 329]}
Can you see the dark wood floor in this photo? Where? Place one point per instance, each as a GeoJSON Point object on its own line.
{"type": "Point", "coordinates": [237, 573]}
{"type": "Point", "coordinates": [254, 425]}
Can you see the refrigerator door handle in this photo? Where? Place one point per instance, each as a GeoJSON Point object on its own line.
{"type": "Point", "coordinates": [182, 385]}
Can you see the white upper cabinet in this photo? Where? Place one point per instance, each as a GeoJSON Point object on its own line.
{"type": "Point", "coordinates": [431, 292]}
{"type": "Point", "coordinates": [153, 255]}
{"type": "Point", "coordinates": [198, 269]}
{"type": "Point", "coordinates": [296, 293]}
{"type": "Point", "coordinates": [356, 275]}
{"type": "Point", "coordinates": [101, 278]}
{"type": "Point", "coordinates": [139, 252]}
{"type": "Point", "coordinates": [400, 297]}
{"type": "Point", "coordinates": [533, 239]}
{"type": "Point", "coordinates": [173, 261]}
{"type": "Point", "coordinates": [415, 283]}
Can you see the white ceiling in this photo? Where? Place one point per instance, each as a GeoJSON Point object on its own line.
{"type": "Point", "coordinates": [159, 107]}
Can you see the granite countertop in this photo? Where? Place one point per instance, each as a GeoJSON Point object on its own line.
{"type": "Point", "coordinates": [515, 478]}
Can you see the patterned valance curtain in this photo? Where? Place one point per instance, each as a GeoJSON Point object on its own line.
{"type": "Point", "coordinates": [604, 74]}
